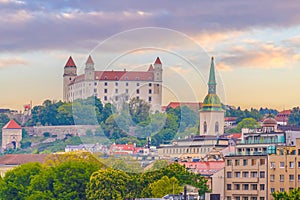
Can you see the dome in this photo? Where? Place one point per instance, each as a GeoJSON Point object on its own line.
{"type": "Point", "coordinates": [212, 103]}
{"type": "Point", "coordinates": [269, 122]}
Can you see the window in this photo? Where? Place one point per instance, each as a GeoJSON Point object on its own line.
{"type": "Point", "coordinates": [105, 98]}
{"type": "Point", "coordinates": [137, 84]}
{"type": "Point", "coordinates": [228, 198]}
{"type": "Point", "coordinates": [237, 198]}
{"type": "Point", "coordinates": [245, 186]}
{"type": "Point", "coordinates": [237, 174]}
{"type": "Point", "coordinates": [95, 83]}
{"type": "Point", "coordinates": [137, 97]}
{"type": "Point", "coordinates": [272, 190]}
{"type": "Point", "coordinates": [281, 178]}
{"type": "Point", "coordinates": [229, 174]}
{"type": "Point", "coordinates": [298, 164]}
{"type": "Point", "coordinates": [253, 198]}
{"type": "Point", "coordinates": [245, 174]}
{"type": "Point", "coordinates": [291, 188]}
{"type": "Point", "coordinates": [281, 164]}
{"type": "Point", "coordinates": [253, 186]}
{"type": "Point", "coordinates": [261, 198]}
{"type": "Point", "coordinates": [150, 84]}
{"type": "Point", "coordinates": [217, 127]}
{"type": "Point", "coordinates": [237, 162]}
{"type": "Point", "coordinates": [237, 186]}
{"type": "Point", "coordinates": [126, 83]}
{"type": "Point", "coordinates": [272, 165]}
{"type": "Point", "coordinates": [254, 174]}
{"type": "Point", "coordinates": [262, 186]}
{"type": "Point", "coordinates": [150, 91]}
{"type": "Point", "coordinates": [95, 90]}
{"type": "Point", "coordinates": [116, 83]}
{"type": "Point", "coordinates": [137, 91]}
{"type": "Point", "coordinates": [291, 177]}
{"type": "Point", "coordinates": [292, 164]}
{"type": "Point", "coordinates": [205, 127]}
{"type": "Point", "coordinates": [245, 198]}
{"type": "Point", "coordinates": [116, 98]}
{"type": "Point", "coordinates": [116, 90]}
{"type": "Point", "coordinates": [105, 90]}
{"type": "Point", "coordinates": [262, 161]}
{"type": "Point", "coordinates": [126, 91]}
{"type": "Point", "coordinates": [261, 174]}
{"type": "Point", "coordinates": [298, 177]}
{"type": "Point", "coordinates": [272, 177]}
{"type": "Point", "coordinates": [228, 186]}
{"type": "Point", "coordinates": [253, 162]}
{"type": "Point", "coordinates": [105, 83]}
{"type": "Point", "coordinates": [245, 162]}
{"type": "Point", "coordinates": [229, 163]}
{"type": "Point", "coordinates": [281, 189]}
{"type": "Point", "coordinates": [149, 98]}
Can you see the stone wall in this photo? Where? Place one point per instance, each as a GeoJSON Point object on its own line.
{"type": "Point", "coordinates": [76, 130]}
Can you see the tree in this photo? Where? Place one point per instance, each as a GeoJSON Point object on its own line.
{"type": "Point", "coordinates": [108, 184]}
{"type": "Point", "coordinates": [247, 123]}
{"type": "Point", "coordinates": [17, 181]}
{"type": "Point", "coordinates": [291, 195]}
{"type": "Point", "coordinates": [165, 186]}
{"type": "Point", "coordinates": [294, 118]}
{"type": "Point", "coordinates": [159, 164]}
{"type": "Point", "coordinates": [139, 110]}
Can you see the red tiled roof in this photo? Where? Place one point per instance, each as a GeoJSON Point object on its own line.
{"type": "Point", "coordinates": [234, 136]}
{"type": "Point", "coordinates": [230, 118]}
{"type": "Point", "coordinates": [191, 105]}
{"type": "Point", "coordinates": [207, 168]}
{"type": "Point", "coordinates": [157, 61]}
{"type": "Point", "coordinates": [283, 116]}
{"type": "Point", "coordinates": [18, 159]}
{"type": "Point", "coordinates": [89, 60]}
{"type": "Point", "coordinates": [122, 147]}
{"type": "Point", "coordinates": [12, 125]}
{"type": "Point", "coordinates": [70, 62]}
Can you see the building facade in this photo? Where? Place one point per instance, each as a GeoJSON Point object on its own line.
{"type": "Point", "coordinates": [114, 87]}
{"type": "Point", "coordinates": [11, 135]}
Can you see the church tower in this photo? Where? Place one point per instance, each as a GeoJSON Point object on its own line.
{"type": "Point", "coordinates": [70, 73]}
{"type": "Point", "coordinates": [89, 72]}
{"type": "Point", "coordinates": [211, 113]}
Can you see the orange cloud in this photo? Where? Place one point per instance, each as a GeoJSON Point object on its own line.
{"type": "Point", "coordinates": [7, 62]}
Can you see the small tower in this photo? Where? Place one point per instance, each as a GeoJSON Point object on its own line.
{"type": "Point", "coordinates": [11, 135]}
{"type": "Point", "coordinates": [89, 72]}
{"type": "Point", "coordinates": [158, 70]}
{"type": "Point", "coordinates": [70, 73]}
{"type": "Point", "coordinates": [211, 113]}
{"type": "Point", "coordinates": [157, 82]}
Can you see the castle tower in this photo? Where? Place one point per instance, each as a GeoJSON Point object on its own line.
{"type": "Point", "coordinates": [157, 90]}
{"type": "Point", "coordinates": [70, 73]}
{"type": "Point", "coordinates": [89, 72]}
{"type": "Point", "coordinates": [211, 113]}
{"type": "Point", "coordinates": [11, 135]}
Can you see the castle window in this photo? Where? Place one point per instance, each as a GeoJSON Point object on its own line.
{"type": "Point", "coordinates": [105, 90]}
{"type": "Point", "coordinates": [116, 90]}
{"type": "Point", "coordinates": [149, 99]}
{"type": "Point", "coordinates": [105, 98]}
{"type": "Point", "coordinates": [217, 127]}
{"type": "Point", "coordinates": [70, 78]}
{"type": "Point", "coordinates": [137, 91]}
{"type": "Point", "coordinates": [116, 77]}
{"type": "Point", "coordinates": [105, 77]}
{"type": "Point", "coordinates": [205, 127]}
{"type": "Point", "coordinates": [150, 84]}
{"type": "Point", "coordinates": [150, 91]}
{"type": "Point", "coordinates": [126, 83]}
{"type": "Point", "coordinates": [137, 84]}
{"type": "Point", "coordinates": [116, 98]}
{"type": "Point", "coordinates": [126, 91]}
{"type": "Point", "coordinates": [95, 83]}
{"type": "Point", "coordinates": [116, 83]}
{"type": "Point", "coordinates": [105, 83]}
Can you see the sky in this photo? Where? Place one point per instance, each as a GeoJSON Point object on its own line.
{"type": "Point", "coordinates": [256, 46]}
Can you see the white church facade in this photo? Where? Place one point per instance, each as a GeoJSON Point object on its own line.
{"type": "Point", "coordinates": [113, 86]}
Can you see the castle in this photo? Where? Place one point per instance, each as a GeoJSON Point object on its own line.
{"type": "Point", "coordinates": [113, 86]}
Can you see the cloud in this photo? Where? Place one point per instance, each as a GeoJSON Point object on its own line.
{"type": "Point", "coordinates": [258, 54]}
{"type": "Point", "coordinates": [11, 62]}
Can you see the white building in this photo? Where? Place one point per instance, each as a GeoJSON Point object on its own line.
{"type": "Point", "coordinates": [113, 86]}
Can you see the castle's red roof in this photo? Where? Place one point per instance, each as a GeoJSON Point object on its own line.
{"type": "Point", "coordinates": [12, 125]}
{"type": "Point", "coordinates": [151, 68]}
{"type": "Point", "coordinates": [192, 105]}
{"type": "Point", "coordinates": [89, 60]}
{"type": "Point", "coordinates": [70, 62]}
{"type": "Point", "coordinates": [157, 61]}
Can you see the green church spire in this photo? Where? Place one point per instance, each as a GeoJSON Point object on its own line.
{"type": "Point", "coordinates": [212, 79]}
